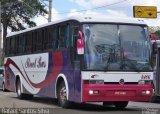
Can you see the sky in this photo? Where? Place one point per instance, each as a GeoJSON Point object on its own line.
{"type": "Point", "coordinates": [108, 8]}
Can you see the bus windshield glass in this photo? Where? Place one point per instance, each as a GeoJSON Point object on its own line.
{"type": "Point", "coordinates": [114, 47]}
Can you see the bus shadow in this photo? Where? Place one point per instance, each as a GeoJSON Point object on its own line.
{"type": "Point", "coordinates": [42, 100]}
{"type": "Point", "coordinates": [96, 107]}
{"type": "Point", "coordinates": [79, 106]}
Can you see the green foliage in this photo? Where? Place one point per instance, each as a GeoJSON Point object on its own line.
{"type": "Point", "coordinates": [158, 33]}
{"type": "Point", "coordinates": [17, 15]}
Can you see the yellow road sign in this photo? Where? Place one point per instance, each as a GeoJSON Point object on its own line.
{"type": "Point", "coordinates": [145, 11]}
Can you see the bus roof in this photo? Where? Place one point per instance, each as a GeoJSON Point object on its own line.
{"type": "Point", "coordinates": [85, 19]}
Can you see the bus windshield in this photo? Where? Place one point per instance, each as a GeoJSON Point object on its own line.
{"type": "Point", "coordinates": [114, 47]}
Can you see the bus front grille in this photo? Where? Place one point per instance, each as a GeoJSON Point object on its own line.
{"type": "Point", "coordinates": [127, 83]}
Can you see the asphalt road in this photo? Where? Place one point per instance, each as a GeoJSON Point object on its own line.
{"type": "Point", "coordinates": [10, 104]}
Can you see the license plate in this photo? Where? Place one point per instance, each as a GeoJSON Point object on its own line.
{"type": "Point", "coordinates": [120, 93]}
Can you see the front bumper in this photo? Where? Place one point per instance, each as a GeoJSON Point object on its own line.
{"type": "Point", "coordinates": [116, 92]}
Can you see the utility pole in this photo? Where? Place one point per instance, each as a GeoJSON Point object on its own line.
{"type": "Point", "coordinates": [50, 11]}
{"type": "Point", "coordinates": [1, 48]}
{"type": "Point", "coordinates": [0, 27]}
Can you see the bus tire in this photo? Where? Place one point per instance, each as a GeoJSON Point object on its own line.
{"type": "Point", "coordinates": [107, 103]}
{"type": "Point", "coordinates": [155, 99]}
{"type": "Point", "coordinates": [121, 104]}
{"type": "Point", "coordinates": [28, 96]}
{"type": "Point", "coordinates": [3, 87]}
{"type": "Point", "coordinates": [20, 95]}
{"type": "Point", "coordinates": [62, 96]}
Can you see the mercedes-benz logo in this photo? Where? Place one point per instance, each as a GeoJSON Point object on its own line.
{"type": "Point", "coordinates": [121, 81]}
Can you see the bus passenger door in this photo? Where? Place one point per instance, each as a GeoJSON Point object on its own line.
{"type": "Point", "coordinates": [158, 73]}
{"type": "Point", "coordinates": [75, 62]}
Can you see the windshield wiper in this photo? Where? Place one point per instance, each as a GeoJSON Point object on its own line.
{"type": "Point", "coordinates": [129, 63]}
{"type": "Point", "coordinates": [126, 62]}
{"type": "Point", "coordinates": [108, 62]}
{"type": "Point", "coordinates": [114, 48]}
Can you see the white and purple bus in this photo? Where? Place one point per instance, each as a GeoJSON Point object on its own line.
{"type": "Point", "coordinates": [82, 59]}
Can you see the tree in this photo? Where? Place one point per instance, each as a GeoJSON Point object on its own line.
{"type": "Point", "coordinates": [17, 14]}
{"type": "Point", "coordinates": [153, 29]}
{"type": "Point", "coordinates": [158, 33]}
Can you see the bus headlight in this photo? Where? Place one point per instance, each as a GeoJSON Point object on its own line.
{"type": "Point", "coordinates": [96, 81]}
{"type": "Point", "coordinates": [91, 92]}
{"type": "Point", "coordinates": [147, 92]}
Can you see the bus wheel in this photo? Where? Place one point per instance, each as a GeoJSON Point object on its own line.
{"type": "Point", "coordinates": [20, 95]}
{"type": "Point", "coordinates": [3, 87]}
{"type": "Point", "coordinates": [121, 104]}
{"type": "Point", "coordinates": [18, 90]}
{"type": "Point", "coordinates": [62, 96]}
{"type": "Point", "coordinates": [155, 99]}
{"type": "Point", "coordinates": [107, 103]}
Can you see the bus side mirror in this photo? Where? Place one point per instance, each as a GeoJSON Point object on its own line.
{"type": "Point", "coordinates": [80, 44]}
{"type": "Point", "coordinates": [154, 48]}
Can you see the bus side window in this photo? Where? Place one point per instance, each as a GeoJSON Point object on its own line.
{"type": "Point", "coordinates": [46, 39]}
{"type": "Point", "coordinates": [49, 39]}
{"type": "Point", "coordinates": [17, 45]}
{"type": "Point", "coordinates": [43, 38]}
{"type": "Point", "coordinates": [55, 37]}
{"type": "Point", "coordinates": [34, 37]}
{"type": "Point", "coordinates": [62, 36]}
{"type": "Point", "coordinates": [21, 44]}
{"type": "Point", "coordinates": [52, 37]}
{"type": "Point", "coordinates": [73, 37]}
{"type": "Point", "coordinates": [12, 49]}
{"type": "Point", "coordinates": [39, 40]}
{"type": "Point", "coordinates": [7, 49]}
{"type": "Point", "coordinates": [28, 42]}
{"type": "Point", "coordinates": [25, 36]}
{"type": "Point", "coordinates": [67, 35]}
